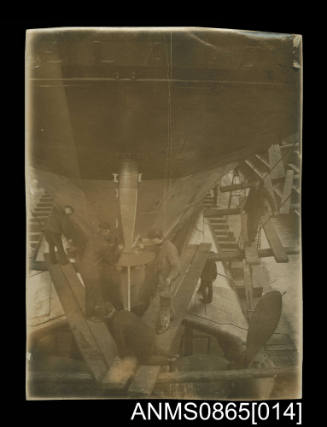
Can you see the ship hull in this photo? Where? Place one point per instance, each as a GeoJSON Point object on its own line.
{"type": "Point", "coordinates": [178, 103]}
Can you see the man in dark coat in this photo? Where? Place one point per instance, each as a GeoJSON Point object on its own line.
{"type": "Point", "coordinates": [167, 270]}
{"type": "Point", "coordinates": [108, 254]}
{"type": "Point", "coordinates": [134, 338]}
{"type": "Point", "coordinates": [208, 276]}
{"type": "Point", "coordinates": [58, 224]}
{"type": "Point", "coordinates": [255, 207]}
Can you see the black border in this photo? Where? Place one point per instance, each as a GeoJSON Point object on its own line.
{"type": "Point", "coordinates": [13, 36]}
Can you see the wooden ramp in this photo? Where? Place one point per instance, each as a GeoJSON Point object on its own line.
{"type": "Point", "coordinates": [93, 338]}
{"type": "Point", "coordinates": [279, 252]}
{"type": "Point", "coordinates": [193, 261]}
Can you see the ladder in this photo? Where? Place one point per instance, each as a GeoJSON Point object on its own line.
{"type": "Point", "coordinates": [39, 215]}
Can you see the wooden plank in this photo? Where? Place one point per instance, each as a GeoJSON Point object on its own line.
{"type": "Point", "coordinates": [99, 330]}
{"type": "Point", "coordinates": [263, 161]}
{"type": "Point", "coordinates": [215, 212]}
{"type": "Point", "coordinates": [215, 238]}
{"type": "Point", "coordinates": [232, 255]}
{"type": "Point", "coordinates": [145, 378]}
{"type": "Point", "coordinates": [78, 377]}
{"type": "Point", "coordinates": [219, 226]}
{"type": "Point", "coordinates": [277, 165]}
{"type": "Point", "coordinates": [270, 188]}
{"type": "Point", "coordinates": [144, 381]}
{"type": "Point", "coordinates": [254, 169]}
{"type": "Point", "coordinates": [234, 187]}
{"type": "Point", "coordinates": [244, 228]}
{"type": "Point", "coordinates": [228, 375]}
{"type": "Point", "coordinates": [273, 240]}
{"type": "Point", "coordinates": [119, 374]}
{"type": "Point", "coordinates": [285, 202]}
{"type": "Point", "coordinates": [287, 146]}
{"type": "Point", "coordinates": [248, 285]}
{"type": "Point", "coordinates": [280, 347]}
{"type": "Point", "coordinates": [81, 331]}
{"type": "Point", "coordinates": [75, 284]}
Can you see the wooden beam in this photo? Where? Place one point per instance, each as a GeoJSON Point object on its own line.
{"type": "Point", "coordinates": [226, 375]}
{"type": "Point", "coordinates": [99, 330]}
{"type": "Point", "coordinates": [75, 284]}
{"type": "Point", "coordinates": [233, 187]}
{"type": "Point", "coordinates": [213, 230]}
{"type": "Point", "coordinates": [271, 190]}
{"type": "Point", "coordinates": [287, 146]}
{"type": "Point", "coordinates": [244, 228]}
{"type": "Point", "coordinates": [274, 240]}
{"type": "Point", "coordinates": [277, 165]}
{"type": "Point", "coordinates": [237, 254]}
{"type": "Point", "coordinates": [248, 285]}
{"type": "Point", "coordinates": [146, 376]}
{"type": "Point", "coordinates": [175, 377]}
{"type": "Point", "coordinates": [215, 212]}
{"type": "Point", "coordinates": [263, 161]}
{"type": "Point", "coordinates": [77, 322]}
{"type": "Point", "coordinates": [254, 169]}
{"type": "Point", "coordinates": [61, 377]}
{"type": "Point", "coordinates": [285, 202]}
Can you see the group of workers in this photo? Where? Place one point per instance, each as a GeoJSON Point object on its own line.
{"type": "Point", "coordinates": [101, 254]}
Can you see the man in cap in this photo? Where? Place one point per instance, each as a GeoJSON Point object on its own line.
{"type": "Point", "coordinates": [257, 204]}
{"type": "Point", "coordinates": [167, 270]}
{"type": "Point", "coordinates": [107, 256]}
{"type": "Point", "coordinates": [58, 224]}
{"type": "Point", "coordinates": [208, 276]}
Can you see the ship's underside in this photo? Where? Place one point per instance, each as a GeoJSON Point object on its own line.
{"type": "Point", "coordinates": [184, 106]}
{"type": "Point", "coordinates": [176, 102]}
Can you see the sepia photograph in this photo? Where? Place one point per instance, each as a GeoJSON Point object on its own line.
{"type": "Point", "coordinates": [163, 213]}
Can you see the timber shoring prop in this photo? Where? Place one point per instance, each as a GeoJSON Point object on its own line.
{"type": "Point", "coordinates": [225, 375]}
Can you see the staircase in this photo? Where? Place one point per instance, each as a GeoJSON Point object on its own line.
{"type": "Point", "coordinates": [245, 279]}
{"type": "Point", "coordinates": [37, 220]}
{"type": "Point", "coordinates": [208, 201]}
{"type": "Point", "coordinates": [223, 236]}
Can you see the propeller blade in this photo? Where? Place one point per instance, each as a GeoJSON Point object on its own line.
{"type": "Point", "coordinates": [263, 323]}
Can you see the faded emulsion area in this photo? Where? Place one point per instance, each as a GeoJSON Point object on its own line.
{"type": "Point", "coordinates": [163, 182]}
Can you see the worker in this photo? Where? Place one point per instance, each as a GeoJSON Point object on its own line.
{"type": "Point", "coordinates": [95, 266]}
{"type": "Point", "coordinates": [208, 276]}
{"type": "Point", "coordinates": [256, 207]}
{"type": "Point", "coordinates": [167, 270]}
{"type": "Point", "coordinates": [108, 253]}
{"type": "Point", "coordinates": [57, 225]}
{"type": "Point", "coordinates": [133, 337]}
{"type": "Point", "coordinates": [109, 249]}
